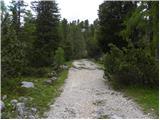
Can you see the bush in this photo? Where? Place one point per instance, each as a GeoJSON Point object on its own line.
{"type": "Point", "coordinates": [131, 66]}
{"type": "Point", "coordinates": [128, 74]}
{"type": "Point", "coordinates": [113, 59]}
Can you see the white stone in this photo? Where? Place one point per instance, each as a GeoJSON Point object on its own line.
{"type": "Point", "coordinates": [54, 78]}
{"type": "Point", "coordinates": [34, 110]}
{"type": "Point", "coordinates": [14, 102]}
{"type": "Point", "coordinates": [27, 84]}
{"type": "Point", "coordinates": [2, 105]}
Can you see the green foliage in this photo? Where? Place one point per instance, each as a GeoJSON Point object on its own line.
{"type": "Point", "coordinates": [111, 16]}
{"type": "Point", "coordinates": [135, 63]}
{"type": "Point", "coordinates": [93, 50]}
{"type": "Point", "coordinates": [18, 9]}
{"type": "Point", "coordinates": [59, 57]}
{"type": "Point", "coordinates": [131, 66]}
{"type": "Point", "coordinates": [73, 40]}
{"type": "Point", "coordinates": [12, 55]}
{"type": "Point", "coordinates": [47, 36]}
{"type": "Point", "coordinates": [42, 95]}
{"type": "Point", "coordinates": [36, 72]}
{"type": "Point", "coordinates": [143, 24]}
{"type": "Point", "coordinates": [147, 98]}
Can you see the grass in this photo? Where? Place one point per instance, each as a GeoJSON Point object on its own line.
{"type": "Point", "coordinates": [147, 98]}
{"type": "Point", "coordinates": [43, 95]}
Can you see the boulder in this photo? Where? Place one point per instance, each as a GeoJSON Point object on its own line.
{"type": "Point", "coordinates": [2, 105]}
{"type": "Point", "coordinates": [14, 102]}
{"type": "Point", "coordinates": [27, 84]}
{"type": "Point", "coordinates": [34, 110]}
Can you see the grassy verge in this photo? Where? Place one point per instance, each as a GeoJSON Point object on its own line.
{"type": "Point", "coordinates": [147, 98]}
{"type": "Point", "coordinates": [42, 93]}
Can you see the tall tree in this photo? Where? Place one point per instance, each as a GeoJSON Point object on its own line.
{"type": "Point", "coordinates": [142, 26]}
{"type": "Point", "coordinates": [12, 48]}
{"type": "Point", "coordinates": [47, 32]}
{"type": "Point", "coordinates": [111, 15]}
{"type": "Point", "coordinates": [18, 9]}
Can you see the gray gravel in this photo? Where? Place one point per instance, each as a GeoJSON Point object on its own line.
{"type": "Point", "coordinates": [86, 96]}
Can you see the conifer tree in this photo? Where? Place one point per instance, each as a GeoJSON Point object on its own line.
{"type": "Point", "coordinates": [46, 32]}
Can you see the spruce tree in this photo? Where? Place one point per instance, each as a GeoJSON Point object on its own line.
{"type": "Point", "coordinates": [111, 15]}
{"type": "Point", "coordinates": [47, 33]}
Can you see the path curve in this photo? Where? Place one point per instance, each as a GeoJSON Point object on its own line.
{"type": "Point", "coordinates": [85, 95]}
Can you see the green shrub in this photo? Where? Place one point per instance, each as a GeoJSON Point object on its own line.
{"type": "Point", "coordinates": [131, 66]}
{"type": "Point", "coordinates": [128, 74]}
{"type": "Point", "coordinates": [113, 59]}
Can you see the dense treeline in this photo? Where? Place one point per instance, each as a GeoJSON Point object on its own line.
{"type": "Point", "coordinates": [128, 34]}
{"type": "Point", "coordinates": [37, 39]}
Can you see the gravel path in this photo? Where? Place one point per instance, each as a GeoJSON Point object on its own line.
{"type": "Point", "coordinates": [85, 95]}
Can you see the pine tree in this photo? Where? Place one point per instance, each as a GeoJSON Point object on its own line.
{"type": "Point", "coordinates": [18, 10]}
{"type": "Point", "coordinates": [111, 15]}
{"type": "Point", "coordinates": [47, 33]}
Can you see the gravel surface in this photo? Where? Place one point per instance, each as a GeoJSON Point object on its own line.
{"type": "Point", "coordinates": [85, 95]}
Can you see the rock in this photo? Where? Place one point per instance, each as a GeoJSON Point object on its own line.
{"type": "Point", "coordinates": [2, 105]}
{"type": "Point", "coordinates": [14, 102]}
{"type": "Point", "coordinates": [53, 73]}
{"type": "Point", "coordinates": [31, 117]}
{"type": "Point", "coordinates": [51, 80]}
{"type": "Point", "coordinates": [20, 107]}
{"type": "Point", "coordinates": [48, 81]}
{"type": "Point", "coordinates": [4, 97]}
{"type": "Point", "coordinates": [64, 67]}
{"type": "Point", "coordinates": [23, 99]}
{"type": "Point", "coordinates": [27, 84]}
{"type": "Point", "coordinates": [34, 110]}
{"type": "Point", "coordinates": [54, 78]}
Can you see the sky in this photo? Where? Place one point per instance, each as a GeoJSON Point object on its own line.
{"type": "Point", "coordinates": [76, 9]}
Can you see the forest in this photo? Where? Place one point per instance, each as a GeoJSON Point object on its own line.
{"type": "Point", "coordinates": [124, 39]}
